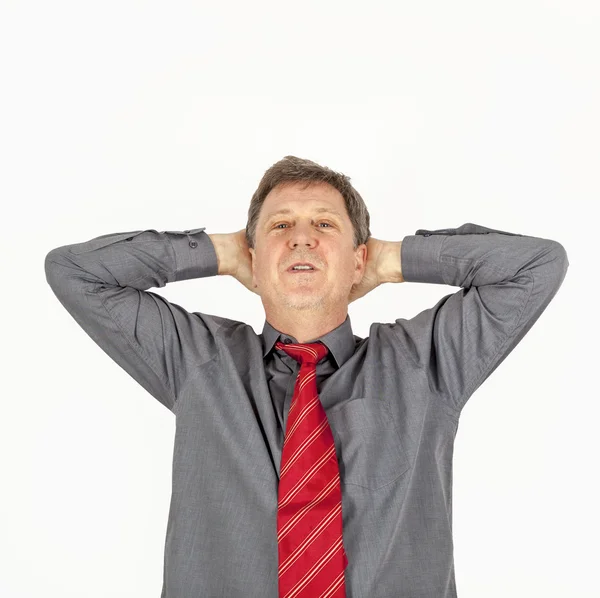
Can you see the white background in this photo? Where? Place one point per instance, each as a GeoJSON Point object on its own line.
{"type": "Point", "coordinates": [119, 116]}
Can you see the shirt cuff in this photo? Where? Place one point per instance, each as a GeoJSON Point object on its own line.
{"type": "Point", "coordinates": [195, 254]}
{"type": "Point", "coordinates": [420, 258]}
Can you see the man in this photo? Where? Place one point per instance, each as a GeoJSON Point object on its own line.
{"type": "Point", "coordinates": [384, 409]}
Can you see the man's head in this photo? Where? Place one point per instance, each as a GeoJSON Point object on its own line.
{"type": "Point", "coordinates": [327, 225]}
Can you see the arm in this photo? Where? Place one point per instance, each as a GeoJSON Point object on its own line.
{"type": "Point", "coordinates": [103, 284]}
{"type": "Point", "coordinates": [382, 265]}
{"type": "Point", "coordinates": [507, 280]}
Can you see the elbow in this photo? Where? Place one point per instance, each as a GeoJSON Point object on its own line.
{"type": "Point", "coordinates": [52, 267]}
{"type": "Point", "coordinates": [560, 263]}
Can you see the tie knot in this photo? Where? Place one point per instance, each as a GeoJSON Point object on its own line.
{"type": "Point", "coordinates": [310, 353]}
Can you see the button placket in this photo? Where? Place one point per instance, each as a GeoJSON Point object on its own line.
{"type": "Point", "coordinates": [191, 242]}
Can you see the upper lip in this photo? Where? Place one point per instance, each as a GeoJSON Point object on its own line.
{"type": "Point", "coordinates": [302, 264]}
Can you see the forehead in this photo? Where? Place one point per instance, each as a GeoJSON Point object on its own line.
{"type": "Point", "coordinates": [318, 198]}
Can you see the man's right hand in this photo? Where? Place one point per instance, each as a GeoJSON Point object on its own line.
{"type": "Point", "coordinates": [234, 257]}
{"type": "Point", "coordinates": [242, 268]}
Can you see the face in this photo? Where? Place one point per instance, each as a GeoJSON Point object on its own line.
{"type": "Point", "coordinates": [317, 229]}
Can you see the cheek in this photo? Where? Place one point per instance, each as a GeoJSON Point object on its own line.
{"type": "Point", "coordinates": [266, 267]}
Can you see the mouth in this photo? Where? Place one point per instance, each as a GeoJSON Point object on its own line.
{"type": "Point", "coordinates": [302, 270]}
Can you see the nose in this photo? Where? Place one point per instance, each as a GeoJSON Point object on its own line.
{"type": "Point", "coordinates": [302, 233]}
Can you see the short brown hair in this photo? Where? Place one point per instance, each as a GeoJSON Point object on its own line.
{"type": "Point", "coordinates": [291, 170]}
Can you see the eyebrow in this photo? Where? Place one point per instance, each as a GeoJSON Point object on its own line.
{"type": "Point", "coordinates": [288, 211]}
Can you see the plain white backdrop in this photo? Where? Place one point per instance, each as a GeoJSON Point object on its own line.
{"type": "Point", "coordinates": [126, 115]}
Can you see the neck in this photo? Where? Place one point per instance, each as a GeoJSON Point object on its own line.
{"type": "Point", "coordinates": [306, 326]}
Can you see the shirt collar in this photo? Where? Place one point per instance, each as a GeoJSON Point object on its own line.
{"type": "Point", "coordinates": [340, 341]}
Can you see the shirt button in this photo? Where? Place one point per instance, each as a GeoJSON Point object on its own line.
{"type": "Point", "coordinates": [193, 244]}
{"type": "Point", "coordinates": [287, 341]}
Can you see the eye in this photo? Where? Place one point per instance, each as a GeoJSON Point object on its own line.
{"type": "Point", "coordinates": [322, 222]}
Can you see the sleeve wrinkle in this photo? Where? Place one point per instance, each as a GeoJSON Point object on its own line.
{"type": "Point", "coordinates": [139, 349]}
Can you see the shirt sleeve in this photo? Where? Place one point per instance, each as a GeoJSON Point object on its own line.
{"type": "Point", "coordinates": [103, 284]}
{"type": "Point", "coordinates": [507, 280]}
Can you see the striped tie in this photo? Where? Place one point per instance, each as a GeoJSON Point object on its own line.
{"type": "Point", "coordinates": [312, 557]}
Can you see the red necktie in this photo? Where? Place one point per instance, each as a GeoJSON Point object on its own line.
{"type": "Point", "coordinates": [312, 557]}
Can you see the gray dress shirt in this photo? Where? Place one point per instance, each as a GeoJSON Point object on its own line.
{"type": "Point", "coordinates": [393, 400]}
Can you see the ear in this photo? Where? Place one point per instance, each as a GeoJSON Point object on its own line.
{"type": "Point", "coordinates": [361, 261]}
{"type": "Point", "coordinates": [253, 257]}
